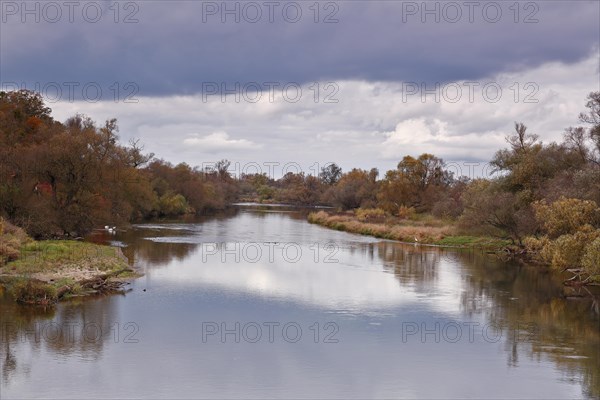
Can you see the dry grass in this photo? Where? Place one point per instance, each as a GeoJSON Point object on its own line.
{"type": "Point", "coordinates": [12, 239]}
{"type": "Point", "coordinates": [425, 229]}
{"type": "Point", "coordinates": [421, 228]}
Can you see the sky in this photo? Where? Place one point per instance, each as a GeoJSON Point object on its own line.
{"type": "Point", "coordinates": [283, 86]}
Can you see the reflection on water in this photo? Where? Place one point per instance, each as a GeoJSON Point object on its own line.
{"type": "Point", "coordinates": [377, 319]}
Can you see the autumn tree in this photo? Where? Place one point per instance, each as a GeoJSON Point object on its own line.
{"type": "Point", "coordinates": [354, 189]}
{"type": "Point", "coordinates": [491, 210]}
{"type": "Point", "coordinates": [299, 189]}
{"type": "Point", "coordinates": [65, 179]}
{"type": "Point", "coordinates": [416, 182]}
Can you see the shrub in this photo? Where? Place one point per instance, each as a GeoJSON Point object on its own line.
{"type": "Point", "coordinates": [447, 208]}
{"type": "Point", "coordinates": [536, 247]}
{"type": "Point", "coordinates": [591, 258]}
{"type": "Point", "coordinates": [370, 214]}
{"type": "Point", "coordinates": [566, 216]}
{"type": "Point", "coordinates": [569, 250]}
{"type": "Point", "coordinates": [566, 251]}
{"type": "Point", "coordinates": [11, 240]}
{"type": "Point", "coordinates": [33, 292]}
{"type": "Point", "coordinates": [173, 204]}
{"type": "Point", "coordinates": [406, 212]}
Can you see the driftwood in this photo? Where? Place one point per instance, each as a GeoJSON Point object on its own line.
{"type": "Point", "coordinates": [101, 284]}
{"type": "Point", "coordinates": [580, 277]}
{"type": "Point", "coordinates": [513, 253]}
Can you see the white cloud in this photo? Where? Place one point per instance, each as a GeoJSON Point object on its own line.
{"type": "Point", "coordinates": [420, 135]}
{"type": "Point", "coordinates": [219, 141]}
{"type": "Point", "coordinates": [371, 125]}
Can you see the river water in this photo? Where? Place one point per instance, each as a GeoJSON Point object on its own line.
{"type": "Point", "coordinates": [258, 303]}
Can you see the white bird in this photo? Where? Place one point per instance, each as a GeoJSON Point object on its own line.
{"type": "Point", "coordinates": [106, 227]}
{"type": "Point", "coordinates": [416, 240]}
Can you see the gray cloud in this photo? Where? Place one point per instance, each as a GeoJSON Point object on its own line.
{"type": "Point", "coordinates": [370, 126]}
{"type": "Point", "coordinates": [171, 51]}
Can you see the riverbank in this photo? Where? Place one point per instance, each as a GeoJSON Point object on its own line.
{"type": "Point", "coordinates": [427, 230]}
{"type": "Point", "coordinates": [45, 272]}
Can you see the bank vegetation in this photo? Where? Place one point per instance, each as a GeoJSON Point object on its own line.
{"type": "Point", "coordinates": [61, 180]}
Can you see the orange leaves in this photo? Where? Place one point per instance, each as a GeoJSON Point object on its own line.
{"type": "Point", "coordinates": [33, 123]}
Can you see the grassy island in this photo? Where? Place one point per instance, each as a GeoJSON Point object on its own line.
{"type": "Point", "coordinates": [44, 272]}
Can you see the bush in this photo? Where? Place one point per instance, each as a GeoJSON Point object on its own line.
{"type": "Point", "coordinates": [33, 292]}
{"type": "Point", "coordinates": [536, 248]}
{"type": "Point", "coordinates": [370, 214]}
{"type": "Point", "coordinates": [447, 208]}
{"type": "Point", "coordinates": [406, 212]}
{"type": "Point", "coordinates": [572, 240]}
{"type": "Point", "coordinates": [492, 211]}
{"type": "Point", "coordinates": [566, 216]}
{"type": "Point", "coordinates": [577, 250]}
{"type": "Point", "coordinates": [566, 251]}
{"type": "Point", "coordinates": [591, 258]}
{"type": "Point", "coordinates": [11, 240]}
{"type": "Point", "coordinates": [173, 204]}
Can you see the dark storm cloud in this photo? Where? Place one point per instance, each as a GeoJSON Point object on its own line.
{"type": "Point", "coordinates": [176, 46]}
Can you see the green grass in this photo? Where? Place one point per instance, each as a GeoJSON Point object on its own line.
{"type": "Point", "coordinates": [54, 255]}
{"type": "Point", "coordinates": [473, 241]}
{"type": "Point", "coordinates": [47, 271]}
{"type": "Point", "coordinates": [32, 291]}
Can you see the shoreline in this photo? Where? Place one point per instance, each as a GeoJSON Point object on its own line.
{"type": "Point", "coordinates": [48, 272]}
{"type": "Point", "coordinates": [435, 233]}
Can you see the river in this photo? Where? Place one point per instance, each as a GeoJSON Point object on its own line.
{"type": "Point", "coordinates": [258, 303]}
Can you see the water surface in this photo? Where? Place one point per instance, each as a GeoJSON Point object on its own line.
{"type": "Point", "coordinates": [258, 304]}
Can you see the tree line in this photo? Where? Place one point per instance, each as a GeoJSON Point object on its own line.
{"type": "Point", "coordinates": [64, 179]}
{"type": "Point", "coordinates": [67, 178]}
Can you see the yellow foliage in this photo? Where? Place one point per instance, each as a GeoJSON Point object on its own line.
{"type": "Point", "coordinates": [538, 248]}
{"type": "Point", "coordinates": [565, 216]}
{"type": "Point", "coordinates": [568, 250]}
{"type": "Point", "coordinates": [577, 250]}
{"type": "Point", "coordinates": [591, 258]}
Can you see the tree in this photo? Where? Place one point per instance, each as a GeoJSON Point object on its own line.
{"type": "Point", "coordinates": [354, 189]}
{"type": "Point", "coordinates": [529, 164]}
{"type": "Point", "coordinates": [490, 210]}
{"type": "Point", "coordinates": [592, 117]}
{"type": "Point", "coordinates": [67, 178]}
{"type": "Point", "coordinates": [297, 188]}
{"type": "Point", "coordinates": [521, 141]}
{"type": "Point", "coordinates": [135, 156]}
{"type": "Point", "coordinates": [330, 174]}
{"type": "Point", "coordinates": [222, 169]}
{"type": "Point", "coordinates": [417, 182]}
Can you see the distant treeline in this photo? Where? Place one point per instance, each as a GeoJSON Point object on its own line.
{"type": "Point", "coordinates": [529, 175]}
{"type": "Point", "coordinates": [67, 178]}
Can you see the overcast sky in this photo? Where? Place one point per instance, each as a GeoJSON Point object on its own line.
{"type": "Point", "coordinates": [360, 83]}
